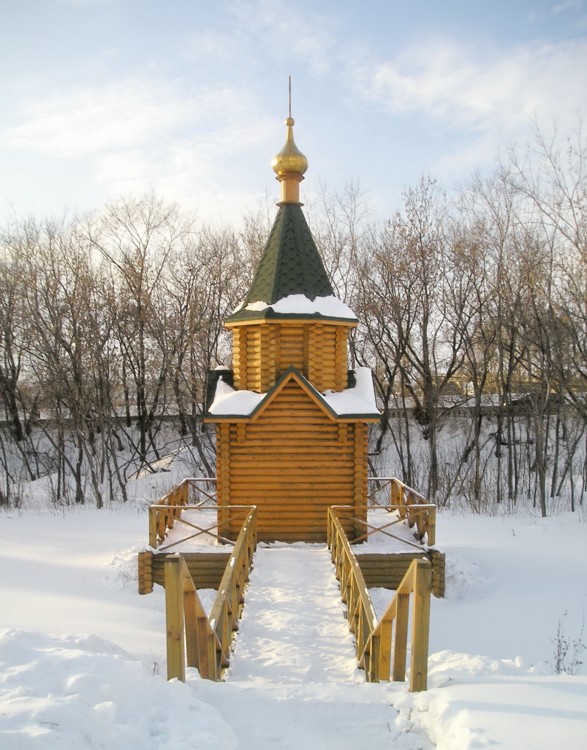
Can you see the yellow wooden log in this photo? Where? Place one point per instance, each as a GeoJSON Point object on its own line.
{"type": "Point", "coordinates": [431, 526]}
{"type": "Point", "coordinates": [384, 656]}
{"type": "Point", "coordinates": [191, 611]}
{"type": "Point", "coordinates": [400, 645]}
{"type": "Point", "coordinates": [145, 572]}
{"type": "Point", "coordinates": [174, 618]}
{"type": "Point", "coordinates": [421, 626]}
{"type": "Point", "coordinates": [206, 662]}
{"type": "Point", "coordinates": [152, 527]}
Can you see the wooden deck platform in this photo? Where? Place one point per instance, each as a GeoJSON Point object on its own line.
{"type": "Point", "coordinates": [186, 521]}
{"type": "Point", "coordinates": [380, 570]}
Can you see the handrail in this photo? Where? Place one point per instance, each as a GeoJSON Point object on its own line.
{"type": "Point", "coordinates": [187, 625]}
{"type": "Point", "coordinates": [206, 639]}
{"type": "Point", "coordinates": [411, 505]}
{"type": "Point", "coordinates": [211, 530]}
{"type": "Point", "coordinates": [353, 589]}
{"type": "Point", "coordinates": [373, 641]}
{"type": "Point", "coordinates": [356, 515]}
{"type": "Point", "coordinates": [229, 601]}
{"type": "Point", "coordinates": [162, 515]}
{"type": "Point", "coordinates": [376, 658]}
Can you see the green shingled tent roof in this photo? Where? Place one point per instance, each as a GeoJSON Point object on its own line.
{"type": "Point", "coordinates": [291, 264]}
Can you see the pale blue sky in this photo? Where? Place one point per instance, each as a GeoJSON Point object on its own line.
{"type": "Point", "coordinates": [102, 98]}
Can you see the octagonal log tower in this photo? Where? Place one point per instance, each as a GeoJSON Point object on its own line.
{"type": "Point", "coordinates": [292, 419]}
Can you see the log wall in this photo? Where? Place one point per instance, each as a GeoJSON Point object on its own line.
{"type": "Point", "coordinates": [263, 351]}
{"type": "Point", "coordinates": [206, 569]}
{"type": "Point", "coordinates": [386, 570]}
{"type": "Point", "coordinates": [292, 462]}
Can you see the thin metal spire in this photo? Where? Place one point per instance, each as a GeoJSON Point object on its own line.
{"type": "Point", "coordinates": [289, 96]}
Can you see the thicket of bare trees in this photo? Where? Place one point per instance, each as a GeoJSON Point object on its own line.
{"type": "Point", "coordinates": [108, 328]}
{"type": "Point", "coordinates": [473, 312]}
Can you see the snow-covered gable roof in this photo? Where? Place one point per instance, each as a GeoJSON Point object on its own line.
{"type": "Point", "coordinates": [353, 403]}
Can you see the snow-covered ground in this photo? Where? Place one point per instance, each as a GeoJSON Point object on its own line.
{"type": "Point", "coordinates": [82, 655]}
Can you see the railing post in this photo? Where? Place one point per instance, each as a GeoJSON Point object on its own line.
{"type": "Point", "coordinates": [384, 661]}
{"type": "Point", "coordinates": [421, 625]}
{"type": "Point", "coordinates": [190, 612]}
{"type": "Point", "coordinates": [152, 527]}
{"type": "Point", "coordinates": [400, 645]}
{"type": "Point", "coordinates": [431, 531]}
{"type": "Point", "coordinates": [185, 490]}
{"type": "Point", "coordinates": [174, 619]}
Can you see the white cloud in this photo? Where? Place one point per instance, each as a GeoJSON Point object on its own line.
{"type": "Point", "coordinates": [211, 46]}
{"type": "Point", "coordinates": [80, 121]}
{"type": "Point", "coordinates": [128, 114]}
{"type": "Point", "coordinates": [278, 25]}
{"type": "Point", "coordinates": [567, 5]}
{"type": "Point", "coordinates": [136, 135]}
{"type": "Point", "coordinates": [450, 84]}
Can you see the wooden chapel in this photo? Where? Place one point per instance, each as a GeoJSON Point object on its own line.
{"type": "Point", "coordinates": [291, 417]}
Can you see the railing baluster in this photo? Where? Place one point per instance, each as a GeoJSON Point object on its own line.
{"type": "Point", "coordinates": [174, 619]}
{"type": "Point", "coordinates": [421, 625]}
{"type": "Point", "coordinates": [400, 645]}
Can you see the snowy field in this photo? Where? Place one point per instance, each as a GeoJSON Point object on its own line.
{"type": "Point", "coordinates": [82, 655]}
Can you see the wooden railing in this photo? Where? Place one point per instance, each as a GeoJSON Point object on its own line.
{"type": "Point", "coordinates": [206, 526]}
{"type": "Point", "coordinates": [191, 493]}
{"type": "Point", "coordinates": [194, 638]}
{"type": "Point", "coordinates": [390, 636]}
{"type": "Point", "coordinates": [353, 589]}
{"type": "Point", "coordinates": [384, 492]}
{"type": "Point", "coordinates": [353, 516]}
{"type": "Point", "coordinates": [392, 494]}
{"type": "Point", "coordinates": [373, 641]}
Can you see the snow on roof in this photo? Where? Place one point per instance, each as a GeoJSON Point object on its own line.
{"type": "Point", "coordinates": [229, 401]}
{"type": "Point", "coordinates": [299, 304]}
{"type": "Point", "coordinates": [359, 400]}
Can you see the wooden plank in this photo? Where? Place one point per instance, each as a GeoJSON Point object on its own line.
{"type": "Point", "coordinates": [174, 619]}
{"type": "Point", "coordinates": [191, 611]}
{"type": "Point", "coordinates": [260, 447]}
{"type": "Point", "coordinates": [383, 665]}
{"type": "Point", "coordinates": [205, 573]}
{"type": "Point", "coordinates": [292, 433]}
{"type": "Point", "coordinates": [266, 466]}
{"type": "Point", "coordinates": [277, 422]}
{"type": "Point", "coordinates": [152, 528]}
{"type": "Point", "coordinates": [421, 626]}
{"type": "Point", "coordinates": [400, 645]}
{"type": "Point", "coordinates": [387, 570]}
{"type": "Point", "coordinates": [318, 484]}
{"type": "Point", "coordinates": [307, 493]}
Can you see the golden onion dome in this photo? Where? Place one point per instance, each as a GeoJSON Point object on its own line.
{"type": "Point", "coordinates": [290, 159]}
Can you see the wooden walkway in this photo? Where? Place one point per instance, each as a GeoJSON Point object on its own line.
{"type": "Point", "coordinates": [294, 665]}
{"type": "Point", "coordinates": [294, 627]}
{"type": "Point", "coordinates": [311, 597]}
